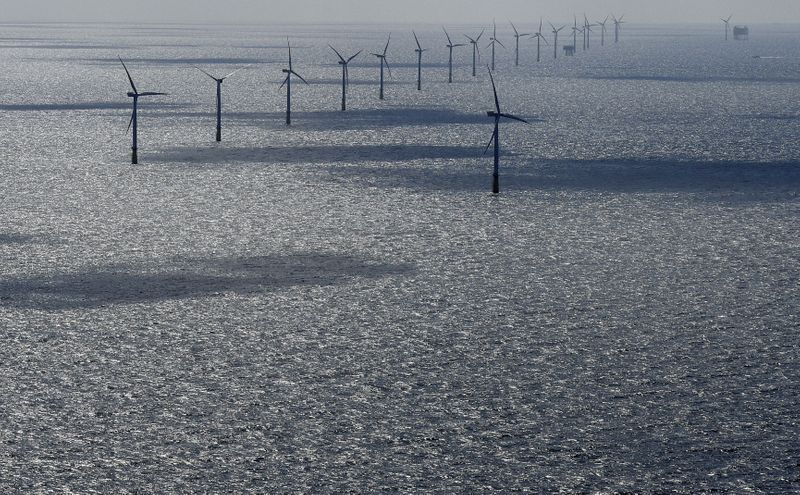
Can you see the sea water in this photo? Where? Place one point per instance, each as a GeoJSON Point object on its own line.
{"type": "Point", "coordinates": [342, 306]}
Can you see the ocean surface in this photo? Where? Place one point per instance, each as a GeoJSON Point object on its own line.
{"type": "Point", "coordinates": [341, 306]}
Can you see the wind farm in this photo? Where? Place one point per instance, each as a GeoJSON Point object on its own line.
{"type": "Point", "coordinates": [349, 303]}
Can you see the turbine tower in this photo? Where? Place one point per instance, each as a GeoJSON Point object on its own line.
{"type": "Point", "coordinates": [219, 81]}
{"type": "Point", "coordinates": [288, 83]}
{"type": "Point", "coordinates": [539, 38]}
{"type": "Point", "coordinates": [575, 34]}
{"type": "Point", "coordinates": [476, 52]}
{"type": "Point", "coordinates": [555, 40]}
{"type": "Point", "coordinates": [587, 30]}
{"type": "Point", "coordinates": [497, 115]}
{"type": "Point", "coordinates": [450, 46]}
{"type": "Point", "coordinates": [727, 25]}
{"type": "Point", "coordinates": [517, 36]}
{"type": "Point", "coordinates": [494, 41]}
{"type": "Point", "coordinates": [419, 52]}
{"type": "Point", "coordinates": [133, 124]}
{"type": "Point", "coordinates": [345, 74]}
{"type": "Point", "coordinates": [384, 62]}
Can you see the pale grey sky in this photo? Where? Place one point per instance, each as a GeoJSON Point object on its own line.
{"type": "Point", "coordinates": [402, 11]}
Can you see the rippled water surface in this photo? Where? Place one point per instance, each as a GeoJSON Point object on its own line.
{"type": "Point", "coordinates": [341, 306]}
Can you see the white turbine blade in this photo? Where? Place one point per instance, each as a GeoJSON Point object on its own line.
{"type": "Point", "coordinates": [130, 79]}
{"type": "Point", "coordinates": [237, 70]}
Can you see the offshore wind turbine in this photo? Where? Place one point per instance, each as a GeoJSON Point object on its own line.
{"type": "Point", "coordinates": [517, 36]}
{"type": "Point", "coordinates": [345, 74]}
{"type": "Point", "coordinates": [617, 26]}
{"type": "Point", "coordinates": [539, 38]}
{"type": "Point", "coordinates": [419, 52]}
{"type": "Point", "coordinates": [476, 52]}
{"type": "Point", "coordinates": [587, 31]}
{"type": "Point", "coordinates": [450, 45]}
{"type": "Point", "coordinates": [727, 25]}
{"type": "Point", "coordinates": [575, 34]}
{"type": "Point", "coordinates": [602, 25]}
{"type": "Point", "coordinates": [382, 57]}
{"type": "Point", "coordinates": [497, 115]}
{"type": "Point", "coordinates": [494, 41]}
{"type": "Point", "coordinates": [555, 40]}
{"type": "Point", "coordinates": [219, 81]}
{"type": "Point", "coordinates": [133, 124]}
{"type": "Point", "coordinates": [288, 83]}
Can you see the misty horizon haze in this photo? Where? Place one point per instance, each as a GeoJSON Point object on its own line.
{"type": "Point", "coordinates": [384, 11]}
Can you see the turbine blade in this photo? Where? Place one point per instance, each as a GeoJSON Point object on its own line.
{"type": "Point", "coordinates": [237, 70]}
{"type": "Point", "coordinates": [301, 77]}
{"type": "Point", "coordinates": [354, 56]}
{"type": "Point", "coordinates": [494, 136]}
{"type": "Point", "coordinates": [152, 93]}
{"type": "Point", "coordinates": [284, 82]}
{"type": "Point", "coordinates": [386, 48]}
{"type": "Point", "coordinates": [449, 41]}
{"type": "Point", "coordinates": [337, 54]}
{"type": "Point", "coordinates": [479, 36]}
{"type": "Point", "coordinates": [387, 66]}
{"type": "Point", "coordinates": [130, 123]}
{"type": "Point", "coordinates": [499, 43]}
{"type": "Point", "coordinates": [494, 88]}
{"type": "Point", "coordinates": [129, 75]}
{"type": "Point", "coordinates": [417, 40]}
{"type": "Point", "coordinates": [513, 117]}
{"type": "Point", "coordinates": [206, 73]}
{"type": "Point", "coordinates": [514, 28]}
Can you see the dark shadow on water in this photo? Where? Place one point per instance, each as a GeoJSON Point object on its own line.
{"type": "Point", "coordinates": [312, 154]}
{"type": "Point", "coordinates": [178, 61]}
{"type": "Point", "coordinates": [16, 239]}
{"type": "Point", "coordinates": [355, 119]}
{"type": "Point", "coordinates": [88, 105]}
{"type": "Point", "coordinates": [189, 279]}
{"type": "Point", "coordinates": [716, 179]}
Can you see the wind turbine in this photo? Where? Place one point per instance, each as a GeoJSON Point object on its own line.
{"type": "Point", "coordinates": [727, 25]}
{"type": "Point", "coordinates": [587, 30]}
{"type": "Point", "coordinates": [555, 40]}
{"type": "Point", "coordinates": [419, 51]}
{"type": "Point", "coordinates": [517, 36]}
{"type": "Point", "coordinates": [382, 58]}
{"type": "Point", "coordinates": [575, 34]}
{"type": "Point", "coordinates": [497, 115]}
{"type": "Point", "coordinates": [450, 45]}
{"type": "Point", "coordinates": [476, 52]}
{"type": "Point", "coordinates": [603, 31]}
{"type": "Point", "coordinates": [345, 75]}
{"type": "Point", "coordinates": [219, 81]}
{"type": "Point", "coordinates": [539, 38]}
{"type": "Point", "coordinates": [494, 41]}
{"type": "Point", "coordinates": [135, 94]}
{"type": "Point", "coordinates": [617, 26]}
{"type": "Point", "coordinates": [288, 83]}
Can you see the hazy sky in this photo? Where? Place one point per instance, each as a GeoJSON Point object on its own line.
{"type": "Point", "coordinates": [410, 11]}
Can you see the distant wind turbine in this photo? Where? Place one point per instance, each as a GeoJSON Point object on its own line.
{"type": "Point", "coordinates": [575, 31]}
{"type": "Point", "coordinates": [602, 25]}
{"type": "Point", "coordinates": [727, 25]}
{"type": "Point", "coordinates": [288, 83]}
{"type": "Point", "coordinates": [384, 62]}
{"type": "Point", "coordinates": [450, 45]}
{"type": "Point", "coordinates": [494, 41]}
{"type": "Point", "coordinates": [419, 52]}
{"type": "Point", "coordinates": [539, 38]}
{"type": "Point", "coordinates": [555, 40]}
{"type": "Point", "coordinates": [587, 31]}
{"type": "Point", "coordinates": [517, 36]}
{"type": "Point", "coordinates": [219, 81]}
{"type": "Point", "coordinates": [617, 26]}
{"type": "Point", "coordinates": [345, 75]}
{"type": "Point", "coordinates": [476, 52]}
{"type": "Point", "coordinates": [497, 115]}
{"type": "Point", "coordinates": [133, 124]}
